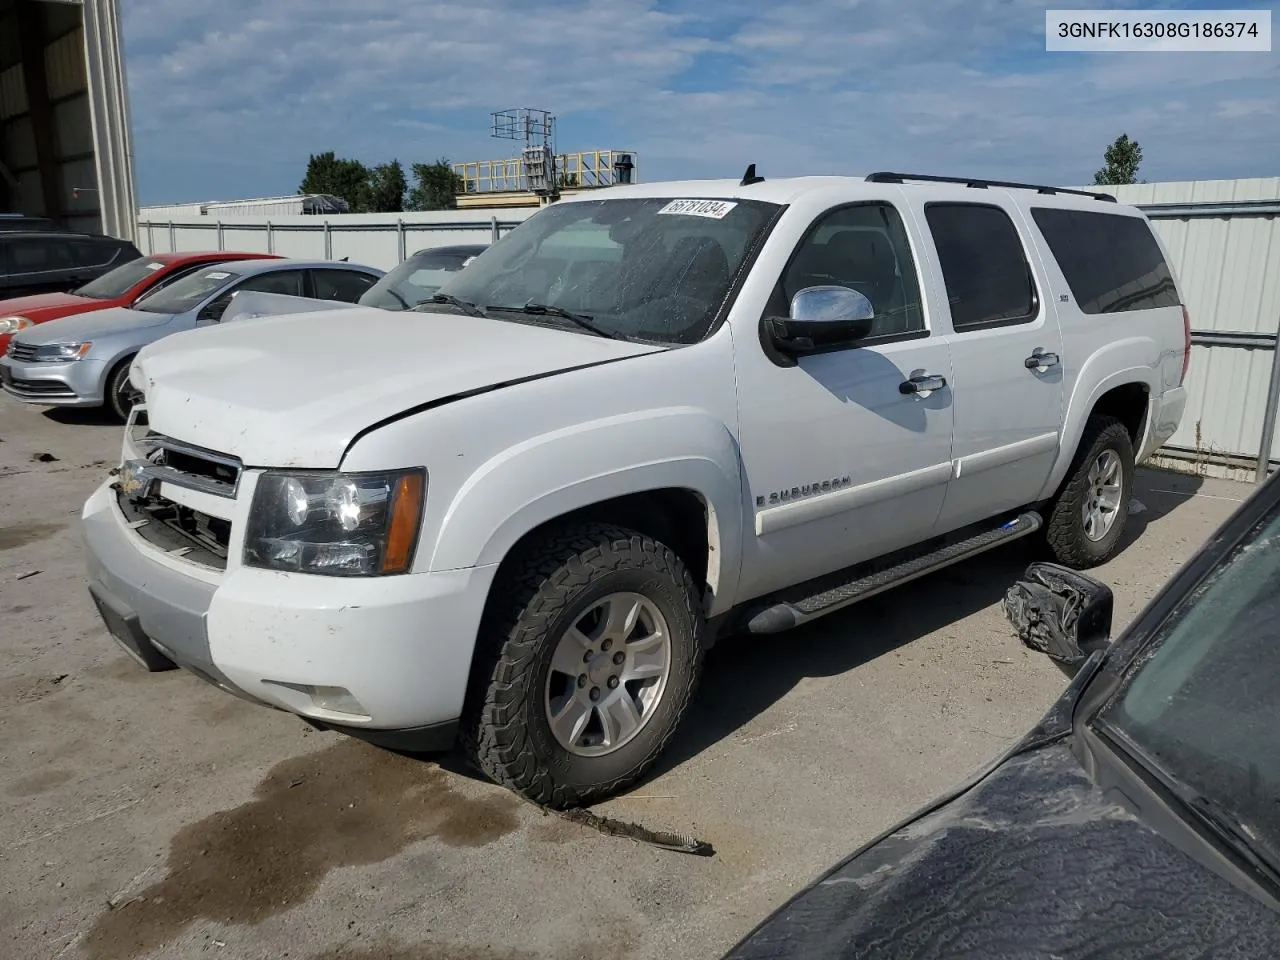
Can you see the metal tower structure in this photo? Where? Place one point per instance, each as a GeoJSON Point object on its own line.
{"type": "Point", "coordinates": [535, 128]}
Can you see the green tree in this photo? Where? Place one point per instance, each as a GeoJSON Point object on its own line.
{"type": "Point", "coordinates": [1122, 159]}
{"type": "Point", "coordinates": [327, 173]}
{"type": "Point", "coordinates": [436, 186]}
{"type": "Point", "coordinates": [385, 188]}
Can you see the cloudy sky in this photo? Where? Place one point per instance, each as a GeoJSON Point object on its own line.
{"type": "Point", "coordinates": [229, 98]}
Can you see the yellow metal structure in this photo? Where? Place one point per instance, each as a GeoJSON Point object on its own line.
{"type": "Point", "coordinates": [586, 169]}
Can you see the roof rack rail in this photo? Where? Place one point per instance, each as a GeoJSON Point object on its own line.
{"type": "Point", "coordinates": [978, 184]}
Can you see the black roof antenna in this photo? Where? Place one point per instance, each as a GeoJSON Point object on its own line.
{"type": "Point", "coordinates": [750, 177]}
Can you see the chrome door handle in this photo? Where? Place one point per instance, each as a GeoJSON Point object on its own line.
{"type": "Point", "coordinates": [1039, 360]}
{"type": "Point", "coordinates": [926, 383]}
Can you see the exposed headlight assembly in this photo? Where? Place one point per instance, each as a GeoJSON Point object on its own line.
{"type": "Point", "coordinates": [336, 524]}
{"type": "Point", "coordinates": [62, 352]}
{"type": "Point", "coordinates": [13, 324]}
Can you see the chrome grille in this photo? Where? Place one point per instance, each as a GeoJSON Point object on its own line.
{"type": "Point", "coordinates": [185, 465]}
{"type": "Point", "coordinates": [25, 352]}
{"type": "Point", "coordinates": [175, 528]}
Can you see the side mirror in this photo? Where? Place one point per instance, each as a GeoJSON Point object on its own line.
{"type": "Point", "coordinates": [1060, 612]}
{"type": "Point", "coordinates": [821, 316]}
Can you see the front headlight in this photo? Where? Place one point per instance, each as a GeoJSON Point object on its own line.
{"type": "Point", "coordinates": [62, 352]}
{"type": "Point", "coordinates": [337, 524]}
{"type": "Point", "coordinates": [13, 324]}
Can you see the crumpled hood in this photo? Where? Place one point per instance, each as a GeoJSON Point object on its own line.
{"type": "Point", "coordinates": [37, 305]}
{"type": "Point", "coordinates": [86, 326]}
{"type": "Point", "coordinates": [294, 390]}
{"type": "Point", "coordinates": [1033, 862]}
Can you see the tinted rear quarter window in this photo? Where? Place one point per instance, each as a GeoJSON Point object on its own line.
{"type": "Point", "coordinates": [1111, 262]}
{"type": "Point", "coordinates": [31, 255]}
{"type": "Point", "coordinates": [345, 286]}
{"type": "Point", "coordinates": [984, 265]}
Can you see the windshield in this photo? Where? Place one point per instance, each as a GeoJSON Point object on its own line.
{"type": "Point", "coordinates": [1204, 702]}
{"type": "Point", "coordinates": [118, 282]}
{"type": "Point", "coordinates": [414, 281]}
{"type": "Point", "coordinates": [187, 293]}
{"type": "Point", "coordinates": [652, 268]}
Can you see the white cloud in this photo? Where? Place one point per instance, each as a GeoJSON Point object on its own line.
{"type": "Point", "coordinates": [240, 92]}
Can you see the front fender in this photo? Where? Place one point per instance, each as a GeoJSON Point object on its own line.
{"type": "Point", "coordinates": [1116, 365]}
{"type": "Point", "coordinates": [565, 470]}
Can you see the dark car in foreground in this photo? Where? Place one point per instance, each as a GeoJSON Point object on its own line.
{"type": "Point", "coordinates": [1139, 819]}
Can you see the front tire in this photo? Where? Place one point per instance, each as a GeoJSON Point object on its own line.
{"type": "Point", "coordinates": [121, 396]}
{"type": "Point", "coordinates": [588, 657]}
{"type": "Point", "coordinates": [1089, 516]}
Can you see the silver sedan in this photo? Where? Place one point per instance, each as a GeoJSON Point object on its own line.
{"type": "Point", "coordinates": [83, 360]}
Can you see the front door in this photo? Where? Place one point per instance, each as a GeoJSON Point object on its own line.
{"type": "Point", "coordinates": [843, 462]}
{"type": "Point", "coordinates": [1006, 359]}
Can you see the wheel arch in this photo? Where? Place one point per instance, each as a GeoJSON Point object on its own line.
{"type": "Point", "coordinates": [1124, 394]}
{"type": "Point", "coordinates": [692, 501]}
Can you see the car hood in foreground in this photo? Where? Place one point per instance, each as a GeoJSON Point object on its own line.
{"type": "Point", "coordinates": [295, 390]}
{"type": "Point", "coordinates": [1034, 862]}
{"type": "Point", "coordinates": [86, 326]}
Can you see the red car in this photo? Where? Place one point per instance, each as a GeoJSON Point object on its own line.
{"type": "Point", "coordinates": [122, 287]}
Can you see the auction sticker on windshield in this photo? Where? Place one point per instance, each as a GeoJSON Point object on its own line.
{"type": "Point", "coordinates": [715, 209]}
{"type": "Point", "coordinates": [155, 266]}
{"type": "Point", "coordinates": [216, 276]}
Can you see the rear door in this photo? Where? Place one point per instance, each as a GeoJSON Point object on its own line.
{"type": "Point", "coordinates": [1006, 348]}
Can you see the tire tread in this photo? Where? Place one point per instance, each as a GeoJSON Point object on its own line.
{"type": "Point", "coordinates": [528, 597]}
{"type": "Point", "coordinates": [1064, 532]}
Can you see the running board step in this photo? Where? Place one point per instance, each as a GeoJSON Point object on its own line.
{"type": "Point", "coordinates": [792, 613]}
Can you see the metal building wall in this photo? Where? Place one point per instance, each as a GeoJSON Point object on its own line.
{"type": "Point", "coordinates": [64, 125]}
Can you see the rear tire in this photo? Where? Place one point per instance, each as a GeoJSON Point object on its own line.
{"type": "Point", "coordinates": [587, 659]}
{"type": "Point", "coordinates": [120, 394]}
{"type": "Point", "coordinates": [1088, 519]}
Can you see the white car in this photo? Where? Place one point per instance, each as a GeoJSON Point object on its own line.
{"type": "Point", "coordinates": [648, 416]}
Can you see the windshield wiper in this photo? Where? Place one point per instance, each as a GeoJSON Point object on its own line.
{"type": "Point", "coordinates": [466, 306]}
{"type": "Point", "coordinates": [1236, 834]}
{"type": "Point", "coordinates": [580, 319]}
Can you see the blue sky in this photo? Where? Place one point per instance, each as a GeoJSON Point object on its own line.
{"type": "Point", "coordinates": [228, 99]}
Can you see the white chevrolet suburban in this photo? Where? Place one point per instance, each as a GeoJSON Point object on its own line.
{"type": "Point", "coordinates": [518, 516]}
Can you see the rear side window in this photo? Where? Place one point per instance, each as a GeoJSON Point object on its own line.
{"type": "Point", "coordinates": [984, 265]}
{"type": "Point", "coordinates": [35, 256]}
{"type": "Point", "coordinates": [345, 286]}
{"type": "Point", "coordinates": [87, 253]}
{"type": "Point", "coordinates": [288, 282]}
{"type": "Point", "coordinates": [1111, 262]}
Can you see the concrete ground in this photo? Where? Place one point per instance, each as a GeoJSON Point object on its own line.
{"type": "Point", "coordinates": [154, 816]}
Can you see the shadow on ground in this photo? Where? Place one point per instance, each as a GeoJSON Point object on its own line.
{"type": "Point", "coordinates": [82, 416]}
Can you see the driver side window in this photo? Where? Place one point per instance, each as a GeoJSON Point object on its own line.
{"type": "Point", "coordinates": [864, 248]}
